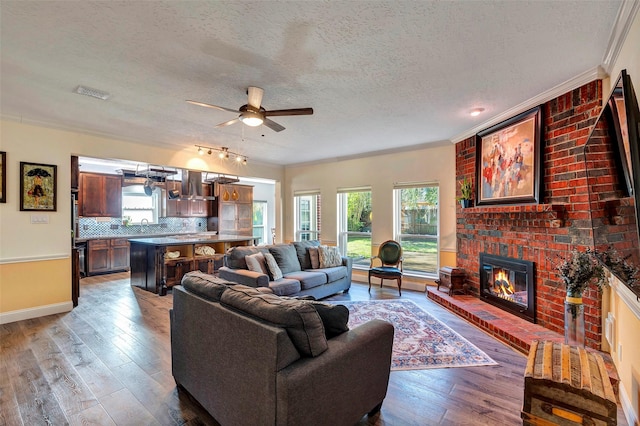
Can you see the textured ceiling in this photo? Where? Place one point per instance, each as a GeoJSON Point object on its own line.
{"type": "Point", "coordinates": [380, 75]}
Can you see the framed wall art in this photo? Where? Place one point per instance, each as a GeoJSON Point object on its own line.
{"type": "Point", "coordinates": [3, 177]}
{"type": "Point", "coordinates": [38, 184]}
{"type": "Point", "coordinates": [508, 160]}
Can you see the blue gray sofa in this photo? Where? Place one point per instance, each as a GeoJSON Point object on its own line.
{"type": "Point", "coordinates": [293, 259]}
{"type": "Point", "coordinates": [253, 358]}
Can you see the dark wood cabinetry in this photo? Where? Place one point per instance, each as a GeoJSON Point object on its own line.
{"type": "Point", "coordinates": [182, 207]}
{"type": "Point", "coordinates": [234, 209]}
{"type": "Point", "coordinates": [107, 255]}
{"type": "Point", "coordinates": [156, 263]}
{"type": "Point", "coordinates": [75, 174]}
{"type": "Point", "coordinates": [100, 195]}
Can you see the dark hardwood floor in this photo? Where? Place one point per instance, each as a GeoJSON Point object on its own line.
{"type": "Point", "coordinates": [108, 362]}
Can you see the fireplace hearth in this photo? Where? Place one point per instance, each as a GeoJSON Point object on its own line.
{"type": "Point", "coordinates": [508, 284]}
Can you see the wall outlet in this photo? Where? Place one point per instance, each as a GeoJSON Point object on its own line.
{"type": "Point", "coordinates": [620, 352]}
{"type": "Point", "coordinates": [609, 330]}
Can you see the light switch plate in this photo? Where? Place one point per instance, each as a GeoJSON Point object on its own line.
{"type": "Point", "coordinates": [39, 219]}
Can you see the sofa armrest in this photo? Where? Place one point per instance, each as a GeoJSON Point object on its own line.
{"type": "Point", "coordinates": [348, 262]}
{"type": "Point", "coordinates": [351, 376]}
{"type": "Point", "coordinates": [244, 276]}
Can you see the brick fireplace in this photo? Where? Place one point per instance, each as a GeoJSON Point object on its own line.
{"type": "Point", "coordinates": [508, 284]}
{"type": "Point", "coordinates": [542, 233]}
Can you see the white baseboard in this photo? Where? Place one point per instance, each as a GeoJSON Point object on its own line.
{"type": "Point", "coordinates": [40, 311]}
{"type": "Point", "coordinates": [627, 407]}
{"type": "Point", "coordinates": [407, 283]}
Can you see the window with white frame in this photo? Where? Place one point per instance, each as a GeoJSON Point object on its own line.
{"type": "Point", "coordinates": [307, 216]}
{"type": "Point", "coordinates": [354, 218]}
{"type": "Point", "coordinates": [417, 229]}
{"type": "Point", "coordinates": [260, 221]}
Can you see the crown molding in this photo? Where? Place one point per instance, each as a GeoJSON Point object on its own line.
{"type": "Point", "coordinates": [624, 20]}
{"type": "Point", "coordinates": [562, 88]}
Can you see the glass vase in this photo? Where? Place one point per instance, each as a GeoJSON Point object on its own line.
{"type": "Point", "coordinates": [573, 323]}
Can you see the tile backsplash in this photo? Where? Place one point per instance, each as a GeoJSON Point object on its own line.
{"type": "Point", "coordinates": [99, 227]}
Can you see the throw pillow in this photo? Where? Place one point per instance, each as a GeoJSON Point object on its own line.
{"type": "Point", "coordinates": [256, 263]}
{"type": "Point", "coordinates": [303, 252]}
{"type": "Point", "coordinates": [334, 318]}
{"type": "Point", "coordinates": [274, 270]}
{"type": "Point", "coordinates": [286, 257]}
{"type": "Point", "coordinates": [300, 319]}
{"type": "Point", "coordinates": [329, 256]}
{"type": "Point", "coordinates": [314, 257]}
{"type": "Point", "coordinates": [235, 256]}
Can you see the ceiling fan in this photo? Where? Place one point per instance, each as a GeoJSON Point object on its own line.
{"type": "Point", "coordinates": [252, 114]}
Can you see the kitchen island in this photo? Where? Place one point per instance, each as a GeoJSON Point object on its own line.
{"type": "Point", "coordinates": [159, 263]}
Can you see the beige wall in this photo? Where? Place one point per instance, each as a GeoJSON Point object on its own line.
{"type": "Point", "coordinates": [380, 172]}
{"type": "Point", "coordinates": [625, 307]}
{"type": "Point", "coordinates": [35, 263]}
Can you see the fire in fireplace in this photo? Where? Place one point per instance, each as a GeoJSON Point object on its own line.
{"type": "Point", "coordinates": [508, 284]}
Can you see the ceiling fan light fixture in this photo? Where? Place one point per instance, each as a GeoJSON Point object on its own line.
{"type": "Point", "coordinates": [251, 118]}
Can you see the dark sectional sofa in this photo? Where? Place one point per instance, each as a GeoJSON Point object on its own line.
{"type": "Point", "coordinates": [250, 357]}
{"type": "Point", "coordinates": [299, 278]}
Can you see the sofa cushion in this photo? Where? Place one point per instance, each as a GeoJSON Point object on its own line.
{"type": "Point", "coordinates": [285, 287]}
{"type": "Point", "coordinates": [301, 320]}
{"type": "Point", "coordinates": [204, 285]}
{"type": "Point", "coordinates": [256, 263]}
{"type": "Point", "coordinates": [329, 256]}
{"type": "Point", "coordinates": [314, 256]}
{"type": "Point", "coordinates": [334, 318]}
{"type": "Point", "coordinates": [303, 253]}
{"type": "Point", "coordinates": [334, 274]}
{"type": "Point", "coordinates": [286, 257]}
{"type": "Point", "coordinates": [274, 270]}
{"type": "Point", "coordinates": [308, 279]}
{"type": "Point", "coordinates": [234, 257]}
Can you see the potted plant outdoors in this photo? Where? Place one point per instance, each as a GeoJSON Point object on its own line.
{"type": "Point", "coordinates": [466, 193]}
{"type": "Point", "coordinates": [578, 271]}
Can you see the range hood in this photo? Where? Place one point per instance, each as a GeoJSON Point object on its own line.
{"type": "Point", "coordinates": [190, 187]}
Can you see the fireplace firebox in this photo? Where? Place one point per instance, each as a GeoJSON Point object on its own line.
{"type": "Point", "coordinates": [508, 284]}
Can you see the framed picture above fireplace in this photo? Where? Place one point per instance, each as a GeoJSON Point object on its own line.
{"type": "Point", "coordinates": [508, 160]}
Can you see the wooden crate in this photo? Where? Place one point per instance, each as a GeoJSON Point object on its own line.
{"type": "Point", "coordinates": [451, 278]}
{"type": "Point", "coordinates": [566, 385]}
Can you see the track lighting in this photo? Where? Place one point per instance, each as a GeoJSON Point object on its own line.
{"type": "Point", "coordinates": [223, 153]}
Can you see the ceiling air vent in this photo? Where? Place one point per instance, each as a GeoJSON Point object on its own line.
{"type": "Point", "coordinates": [94, 93]}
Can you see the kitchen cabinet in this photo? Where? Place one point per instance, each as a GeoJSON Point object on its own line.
{"type": "Point", "coordinates": [107, 255]}
{"type": "Point", "coordinates": [159, 263]}
{"type": "Point", "coordinates": [100, 195]}
{"type": "Point", "coordinates": [75, 173]}
{"type": "Point", "coordinates": [189, 208]}
{"type": "Point", "coordinates": [233, 208]}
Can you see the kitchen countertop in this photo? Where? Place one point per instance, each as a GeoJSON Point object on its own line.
{"type": "Point", "coordinates": [143, 235]}
{"type": "Point", "coordinates": [175, 240]}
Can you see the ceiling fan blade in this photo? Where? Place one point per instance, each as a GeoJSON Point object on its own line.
{"type": "Point", "coordinates": [212, 106]}
{"type": "Point", "coordinates": [273, 125]}
{"type": "Point", "coordinates": [226, 123]}
{"type": "Point", "coordinates": [255, 96]}
{"type": "Point", "coordinates": [295, 111]}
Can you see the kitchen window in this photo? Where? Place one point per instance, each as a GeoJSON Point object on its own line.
{"type": "Point", "coordinates": [136, 205]}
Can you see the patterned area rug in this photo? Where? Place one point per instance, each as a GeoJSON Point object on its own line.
{"type": "Point", "coordinates": [420, 341]}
